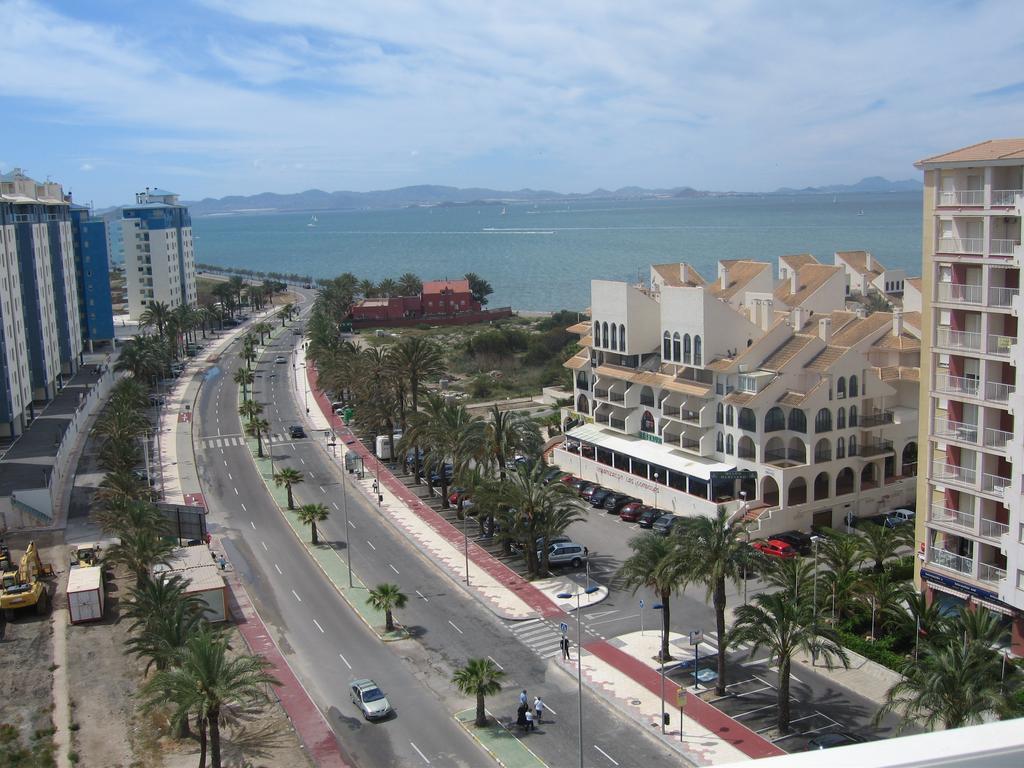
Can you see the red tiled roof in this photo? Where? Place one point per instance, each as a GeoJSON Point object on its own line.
{"type": "Point", "coordinates": [438, 286]}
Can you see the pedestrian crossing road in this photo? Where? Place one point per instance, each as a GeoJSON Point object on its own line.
{"type": "Point", "coordinates": [542, 637]}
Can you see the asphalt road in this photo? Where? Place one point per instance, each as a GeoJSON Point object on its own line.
{"type": "Point", "coordinates": [447, 625]}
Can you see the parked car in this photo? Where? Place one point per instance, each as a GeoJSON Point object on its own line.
{"type": "Point", "coordinates": [569, 480]}
{"type": "Point", "coordinates": [774, 548]}
{"type": "Point", "coordinates": [801, 542]}
{"type": "Point", "coordinates": [435, 474]}
{"type": "Point", "coordinates": [616, 501]}
{"type": "Point", "coordinates": [663, 525]}
{"type": "Point", "coordinates": [369, 699]}
{"type": "Point", "coordinates": [579, 484]}
{"type": "Point", "coordinates": [539, 543]}
{"type": "Point", "coordinates": [552, 475]}
{"type": "Point", "coordinates": [597, 498]}
{"type": "Point", "coordinates": [834, 739]}
{"type": "Point", "coordinates": [454, 494]}
{"type": "Point", "coordinates": [296, 432]}
{"type": "Point", "coordinates": [589, 490]}
{"type": "Point", "coordinates": [648, 516]}
{"type": "Point", "coordinates": [632, 511]}
{"type": "Point", "coordinates": [898, 517]}
{"type": "Point", "coordinates": [565, 553]}
{"type": "Point", "coordinates": [279, 360]}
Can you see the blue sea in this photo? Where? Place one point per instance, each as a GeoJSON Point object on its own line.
{"type": "Point", "coordinates": [543, 256]}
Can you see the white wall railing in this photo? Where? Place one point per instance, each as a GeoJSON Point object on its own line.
{"type": "Point", "coordinates": [990, 573]}
{"type": "Point", "coordinates": [971, 245]}
{"type": "Point", "coordinates": [947, 337]}
{"type": "Point", "coordinates": [994, 484]}
{"type": "Point", "coordinates": [956, 430]}
{"type": "Point", "coordinates": [997, 438]}
{"type": "Point", "coordinates": [947, 516]}
{"type": "Point", "coordinates": [951, 561]}
{"type": "Point", "coordinates": [1001, 297]}
{"type": "Point", "coordinates": [957, 385]}
{"type": "Point", "coordinates": [952, 473]}
{"type": "Point", "coordinates": [1002, 247]}
{"type": "Point", "coordinates": [1005, 196]}
{"type": "Point", "coordinates": [960, 293]}
{"type": "Point", "coordinates": [998, 344]}
{"type": "Point", "coordinates": [959, 197]}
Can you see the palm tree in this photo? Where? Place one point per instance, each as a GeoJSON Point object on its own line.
{"type": "Point", "coordinates": [311, 514]}
{"type": "Point", "coordinates": [880, 543]}
{"type": "Point", "coordinates": [290, 477]}
{"type": "Point", "coordinates": [655, 565]}
{"type": "Point", "coordinates": [387, 597]}
{"type": "Point", "coordinates": [287, 312]}
{"type": "Point", "coordinates": [263, 329]}
{"type": "Point", "coordinates": [119, 488]}
{"type": "Point", "coordinates": [132, 515]}
{"type": "Point", "coordinates": [480, 678]}
{"type": "Point", "coordinates": [119, 455]}
{"type": "Point", "coordinates": [924, 618]}
{"type": "Point", "coordinates": [417, 358]}
{"type": "Point", "coordinates": [783, 626]}
{"type": "Point", "coordinates": [843, 556]}
{"type": "Point", "coordinates": [139, 550]}
{"type": "Point", "coordinates": [250, 409]}
{"type": "Point", "coordinates": [156, 314]}
{"type": "Point", "coordinates": [982, 626]}
{"type": "Point", "coordinates": [387, 287]}
{"type": "Point", "coordinates": [884, 597]}
{"type": "Point", "coordinates": [793, 577]}
{"type": "Point", "coordinates": [507, 433]}
{"type": "Point", "coordinates": [367, 288]}
{"type": "Point", "coordinates": [249, 350]}
{"type": "Point", "coordinates": [210, 682]}
{"type": "Point", "coordinates": [244, 377]}
{"type": "Point", "coordinates": [162, 637]}
{"type": "Point", "coordinates": [257, 428]}
{"type": "Point", "coordinates": [409, 285]}
{"type": "Point", "coordinates": [714, 552]}
{"type": "Point", "coordinates": [156, 597]}
{"type": "Point", "coordinates": [236, 284]}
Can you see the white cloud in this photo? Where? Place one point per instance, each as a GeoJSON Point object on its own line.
{"type": "Point", "coordinates": [87, 167]}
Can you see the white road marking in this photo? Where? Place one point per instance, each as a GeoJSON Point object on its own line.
{"type": "Point", "coordinates": [236, 491]}
{"type": "Point", "coordinates": [318, 625]}
{"type": "Point", "coordinates": [278, 569]}
{"type": "Point", "coordinates": [393, 568]}
{"type": "Point", "coordinates": [334, 504]}
{"type": "Point", "coordinates": [222, 453]}
{"type": "Point", "coordinates": [264, 546]}
{"type": "Point", "coordinates": [754, 662]}
{"type": "Point", "coordinates": [322, 489]}
{"type": "Point", "coordinates": [614, 761]}
{"type": "Point", "coordinates": [502, 668]}
{"type": "Point", "coordinates": [425, 600]}
{"type": "Point", "coordinates": [371, 545]}
{"type": "Point", "coordinates": [229, 476]}
{"type": "Point", "coordinates": [244, 509]}
{"type": "Point", "coordinates": [353, 525]}
{"type": "Point", "coordinates": [345, 660]}
{"type": "Point", "coordinates": [420, 753]}
{"type": "Point", "coordinates": [302, 460]}
{"type": "Point", "coordinates": [296, 595]}
{"type": "Point", "coordinates": [455, 627]}
{"type": "Point", "coordinates": [311, 474]}
{"type": "Point", "coordinates": [252, 524]}
{"type": "Point", "coordinates": [225, 460]}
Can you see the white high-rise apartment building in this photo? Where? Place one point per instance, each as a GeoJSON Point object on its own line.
{"type": "Point", "coordinates": [970, 528]}
{"type": "Point", "coordinates": [158, 255]}
{"type": "Point", "coordinates": [760, 392]}
{"type": "Point", "coordinates": [39, 312]}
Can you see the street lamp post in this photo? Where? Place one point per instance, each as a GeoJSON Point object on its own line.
{"type": "Point", "coordinates": [661, 657]}
{"type": "Point", "coordinates": [344, 504]}
{"type": "Point", "coordinates": [656, 476]}
{"type": "Point", "coordinates": [814, 624]}
{"type": "Point", "coordinates": [579, 656]}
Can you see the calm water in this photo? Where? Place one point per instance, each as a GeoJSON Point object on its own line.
{"type": "Point", "coordinates": [543, 257]}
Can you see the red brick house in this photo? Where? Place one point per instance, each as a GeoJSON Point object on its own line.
{"type": "Point", "coordinates": [447, 297]}
{"type": "Point", "coordinates": [446, 302]}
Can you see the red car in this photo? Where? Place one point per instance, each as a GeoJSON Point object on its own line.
{"type": "Point", "coordinates": [568, 479]}
{"type": "Point", "coordinates": [631, 512]}
{"type": "Point", "coordinates": [775, 548]}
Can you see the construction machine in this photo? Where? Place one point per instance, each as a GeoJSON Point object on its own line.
{"type": "Point", "coordinates": [85, 555]}
{"type": "Point", "coordinates": [24, 588]}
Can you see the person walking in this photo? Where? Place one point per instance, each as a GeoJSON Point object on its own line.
{"type": "Point", "coordinates": [538, 709]}
{"type": "Point", "coordinates": [523, 699]}
{"type": "Point", "coordinates": [565, 648]}
{"type": "Point", "coordinates": [521, 716]}
{"type": "Point", "coordinates": [529, 719]}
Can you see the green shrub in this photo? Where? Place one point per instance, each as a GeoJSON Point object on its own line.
{"type": "Point", "coordinates": [902, 569]}
{"type": "Point", "coordinates": [480, 386]}
{"type": "Point", "coordinates": [879, 651]}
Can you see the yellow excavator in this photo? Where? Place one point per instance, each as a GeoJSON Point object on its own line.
{"type": "Point", "coordinates": [24, 588]}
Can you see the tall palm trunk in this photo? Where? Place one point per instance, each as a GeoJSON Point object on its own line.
{"type": "Point", "coordinates": [719, 602]}
{"type": "Point", "coordinates": [783, 704]}
{"type": "Point", "coordinates": [315, 539]}
{"type": "Point", "coordinates": [481, 713]}
{"type": "Point", "coordinates": [259, 444]}
{"type": "Point", "coordinates": [666, 620]}
{"type": "Point", "coordinates": [202, 741]}
{"type": "Point", "coordinates": [214, 717]}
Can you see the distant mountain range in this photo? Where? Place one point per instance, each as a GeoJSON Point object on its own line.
{"type": "Point", "coordinates": [315, 200]}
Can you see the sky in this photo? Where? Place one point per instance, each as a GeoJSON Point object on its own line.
{"type": "Point", "coordinates": [222, 97]}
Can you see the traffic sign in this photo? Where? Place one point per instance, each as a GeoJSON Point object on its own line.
{"type": "Point", "coordinates": [564, 627]}
{"type": "Point", "coordinates": [641, 602]}
{"type": "Point", "coordinates": [696, 637]}
{"type": "Point", "coordinates": [681, 698]}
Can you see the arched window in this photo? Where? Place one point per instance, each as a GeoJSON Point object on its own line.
{"type": "Point", "coordinates": [840, 448]}
{"type": "Point", "coordinates": [853, 416]}
{"type": "Point", "coordinates": [666, 346]}
{"type": "Point", "coordinates": [822, 451]}
{"type": "Point", "coordinates": [622, 338]}
{"type": "Point", "coordinates": [774, 420]}
{"type": "Point", "coordinates": [770, 491]}
{"type": "Point", "coordinates": [841, 389]}
{"type": "Point", "coordinates": [844, 482]}
{"type": "Point", "coordinates": [821, 486]}
{"type": "Point", "coordinates": [797, 492]}
{"type": "Point", "coordinates": [823, 421]}
{"type": "Point", "coordinates": [797, 451]}
{"type": "Point", "coordinates": [853, 445]}
{"type": "Point", "coordinates": [728, 444]}
{"type": "Point", "coordinates": [720, 442]}
{"type": "Point", "coordinates": [686, 349]}
{"type": "Point", "coordinates": [597, 333]}
{"type": "Point", "coordinates": [728, 416]}
{"type": "Point", "coordinates": [698, 351]}
{"type": "Point", "coordinates": [582, 404]}
{"type": "Point", "coordinates": [615, 338]}
{"type": "Point", "coordinates": [745, 448]}
{"type": "Point", "coordinates": [747, 420]}
{"type": "Point", "coordinates": [854, 390]}
{"type": "Point", "coordinates": [720, 414]}
{"type": "Point", "coordinates": [647, 422]}
{"type": "Point", "coordinates": [841, 418]}
{"type": "Point", "coordinates": [677, 351]}
{"type": "Point", "coordinates": [798, 421]}
{"type": "Point", "coordinates": [604, 334]}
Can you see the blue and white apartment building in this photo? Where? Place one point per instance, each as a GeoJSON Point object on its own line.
{"type": "Point", "coordinates": [92, 263]}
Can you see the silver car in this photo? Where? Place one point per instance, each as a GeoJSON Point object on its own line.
{"type": "Point", "coordinates": [370, 699]}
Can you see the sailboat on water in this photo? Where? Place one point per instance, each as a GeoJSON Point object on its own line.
{"type": "Point", "coordinates": [313, 221]}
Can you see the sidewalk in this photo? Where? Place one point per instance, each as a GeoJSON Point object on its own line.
{"type": "Point", "coordinates": [710, 737]}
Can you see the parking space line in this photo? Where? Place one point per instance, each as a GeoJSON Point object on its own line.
{"type": "Point", "coordinates": [613, 760]}
{"type": "Point", "coordinates": [503, 669]}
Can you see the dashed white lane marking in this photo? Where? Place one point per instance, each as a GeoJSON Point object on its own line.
{"type": "Point", "coordinates": [425, 600]}
{"type": "Point", "coordinates": [278, 569]}
{"type": "Point", "coordinates": [252, 524]}
{"type": "Point", "coordinates": [340, 656]}
{"type": "Point", "coordinates": [265, 549]}
{"type": "Point", "coordinates": [334, 504]}
{"type": "Point", "coordinates": [225, 462]}
{"type": "Point", "coordinates": [496, 664]}
{"type": "Point", "coordinates": [322, 489]}
{"type": "Point", "coordinates": [614, 761]}
{"type": "Point", "coordinates": [230, 477]}
{"type": "Point", "coordinates": [244, 509]}
{"type": "Point", "coordinates": [353, 525]}
{"type": "Point", "coordinates": [296, 595]}
{"type": "Point", "coordinates": [311, 474]}
{"type": "Point", "coordinates": [371, 545]}
{"type": "Point", "coordinates": [302, 460]}
{"type": "Point", "coordinates": [393, 568]}
{"type": "Point", "coordinates": [236, 491]}
{"type": "Point", "coordinates": [318, 626]}
{"type": "Point", "coordinates": [455, 627]}
{"type": "Point", "coordinates": [424, 756]}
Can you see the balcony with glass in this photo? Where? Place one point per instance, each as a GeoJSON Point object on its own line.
{"type": "Point", "coordinates": [964, 386]}
{"type": "Point", "coordinates": [997, 485]}
{"type": "Point", "coordinates": [965, 341]}
{"type": "Point", "coordinates": [876, 417]}
{"type": "Point", "coordinates": [991, 574]}
{"type": "Point", "coordinates": [962, 246]}
{"type": "Point", "coordinates": [954, 518]}
{"type": "Point", "coordinates": [961, 198]}
{"type": "Point", "coordinates": [950, 561]}
{"type": "Point", "coordinates": [1001, 297]}
{"type": "Point", "coordinates": [956, 430]}
{"type": "Point", "coordinates": [875, 447]}
{"type": "Point", "coordinates": [996, 438]}
{"type": "Point", "coordinates": [1000, 344]}
{"type": "Point", "coordinates": [959, 293]}
{"type": "Point", "coordinates": [1006, 198]}
{"type": "Point", "coordinates": [943, 472]}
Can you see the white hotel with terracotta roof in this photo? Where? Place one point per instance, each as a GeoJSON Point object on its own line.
{"type": "Point", "coordinates": [970, 527]}
{"type": "Point", "coordinates": [758, 390]}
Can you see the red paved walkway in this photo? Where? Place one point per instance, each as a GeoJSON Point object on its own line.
{"type": "Point", "coordinates": [730, 731]}
{"type": "Point", "coordinates": [314, 732]}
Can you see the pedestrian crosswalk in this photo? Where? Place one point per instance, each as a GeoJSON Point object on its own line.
{"type": "Point", "coordinates": [542, 637]}
{"type": "Point", "coordinates": [226, 441]}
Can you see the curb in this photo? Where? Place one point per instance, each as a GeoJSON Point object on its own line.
{"type": "Point", "coordinates": [470, 728]}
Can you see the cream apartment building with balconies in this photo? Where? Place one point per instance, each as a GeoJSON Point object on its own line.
{"type": "Point", "coordinates": [761, 394]}
{"type": "Point", "coordinates": [970, 530]}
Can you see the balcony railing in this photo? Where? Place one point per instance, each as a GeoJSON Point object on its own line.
{"type": "Point", "coordinates": [775, 454]}
{"type": "Point", "coordinates": [993, 529]}
{"type": "Point", "coordinates": [1001, 247]}
{"type": "Point", "coordinates": [601, 393]}
{"type": "Point", "coordinates": [1005, 196]}
{"type": "Point", "coordinates": [820, 457]}
{"type": "Point", "coordinates": [967, 245]}
{"type": "Point", "coordinates": [990, 573]}
{"type": "Point", "coordinates": [647, 400]}
{"type": "Point", "coordinates": [999, 344]}
{"type": "Point", "coordinates": [956, 385]}
{"type": "Point", "coordinates": [951, 561]}
{"type": "Point", "coordinates": [960, 293]}
{"type": "Point", "coordinates": [956, 430]}
{"type": "Point", "coordinates": [875, 447]}
{"type": "Point", "coordinates": [615, 423]}
{"type": "Point", "coordinates": [947, 516]}
{"type": "Point", "coordinates": [745, 453]}
{"type": "Point", "coordinates": [1001, 297]}
{"type": "Point", "coordinates": [951, 473]}
{"type": "Point", "coordinates": [963, 197]}
{"type": "Point", "coordinates": [997, 438]}
{"type": "Point", "coordinates": [689, 444]}
{"type": "Point", "coordinates": [999, 392]}
{"type": "Point", "coordinates": [994, 484]}
{"type": "Point", "coordinates": [686, 415]}
{"type": "Point", "coordinates": [617, 397]}
{"type": "Point", "coordinates": [969, 340]}
{"type": "Point", "coordinates": [876, 418]}
{"type": "Point", "coordinates": [671, 410]}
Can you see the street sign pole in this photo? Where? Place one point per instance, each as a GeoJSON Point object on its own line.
{"type": "Point", "coordinates": [641, 617]}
